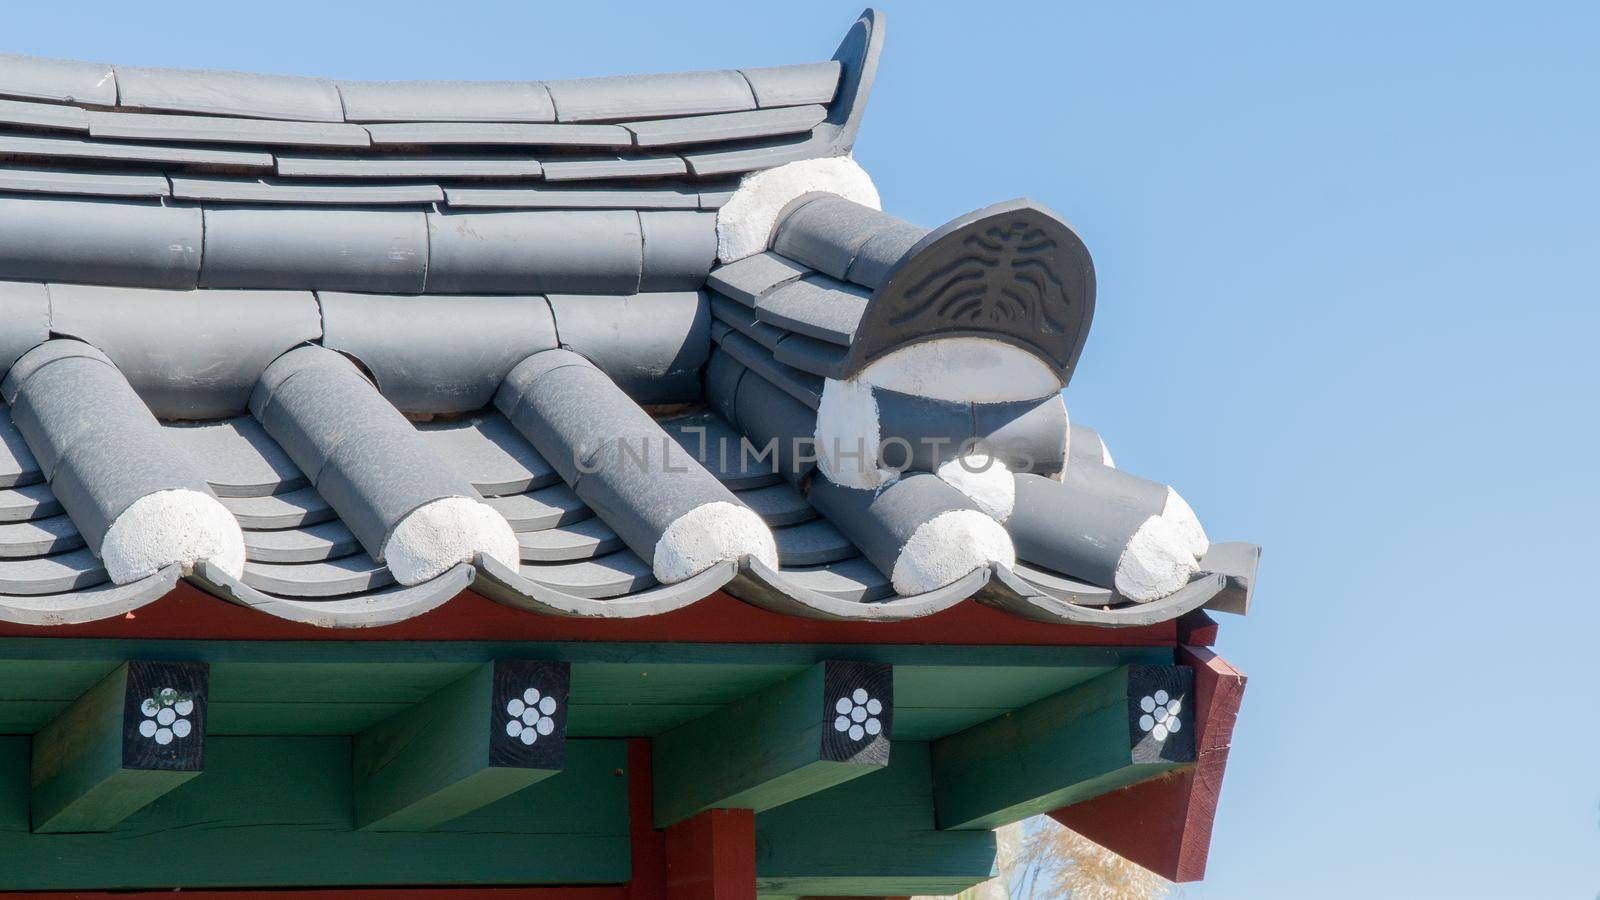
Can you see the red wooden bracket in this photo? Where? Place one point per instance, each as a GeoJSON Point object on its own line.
{"type": "Point", "coordinates": [712, 856]}
{"type": "Point", "coordinates": [1165, 824]}
{"type": "Point", "coordinates": [1197, 629]}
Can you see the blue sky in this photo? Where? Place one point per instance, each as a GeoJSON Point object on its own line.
{"type": "Point", "coordinates": [1347, 305]}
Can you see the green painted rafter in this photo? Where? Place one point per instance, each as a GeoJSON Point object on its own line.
{"type": "Point", "coordinates": [1117, 729]}
{"type": "Point", "coordinates": [777, 744]}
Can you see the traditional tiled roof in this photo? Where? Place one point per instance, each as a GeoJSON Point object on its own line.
{"type": "Point", "coordinates": [406, 333]}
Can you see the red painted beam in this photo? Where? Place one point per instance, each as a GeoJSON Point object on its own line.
{"type": "Point", "coordinates": [186, 613]}
{"type": "Point", "coordinates": [1165, 824]}
{"type": "Point", "coordinates": [712, 856]}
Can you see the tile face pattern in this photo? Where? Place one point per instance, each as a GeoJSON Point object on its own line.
{"type": "Point", "coordinates": [331, 316]}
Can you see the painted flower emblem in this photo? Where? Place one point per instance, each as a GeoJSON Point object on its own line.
{"type": "Point", "coordinates": [165, 716]}
{"type": "Point", "coordinates": [858, 715]}
{"type": "Point", "coordinates": [1160, 714]}
{"type": "Point", "coordinates": [530, 716]}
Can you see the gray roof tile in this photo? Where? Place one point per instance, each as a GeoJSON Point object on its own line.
{"type": "Point", "coordinates": [317, 543]}
{"type": "Point", "coordinates": [295, 509]}
{"type": "Point", "coordinates": [25, 310]}
{"type": "Point", "coordinates": [812, 544]}
{"type": "Point", "coordinates": [649, 96]}
{"type": "Point", "coordinates": [597, 168]}
{"type": "Point", "coordinates": [582, 540]}
{"type": "Point", "coordinates": [97, 443]}
{"type": "Point", "coordinates": [726, 126]}
{"type": "Point", "coordinates": [315, 249]}
{"type": "Point", "coordinates": [657, 359]}
{"type": "Point", "coordinates": [62, 80]}
{"type": "Point", "coordinates": [501, 134]}
{"type": "Point", "coordinates": [875, 259]}
{"type": "Point", "coordinates": [142, 244]}
{"type": "Point", "coordinates": [571, 198]}
{"type": "Point", "coordinates": [228, 94]}
{"type": "Point", "coordinates": [743, 320]}
{"type": "Point", "coordinates": [826, 231]}
{"type": "Point", "coordinates": [778, 504]}
{"type": "Point", "coordinates": [756, 155]}
{"type": "Point", "coordinates": [43, 115]}
{"type": "Point", "coordinates": [262, 190]}
{"type": "Point", "coordinates": [362, 455]}
{"type": "Point", "coordinates": [62, 148]}
{"type": "Point", "coordinates": [435, 355]}
{"type": "Point", "coordinates": [236, 457]}
{"type": "Point", "coordinates": [17, 465]}
{"type": "Point", "coordinates": [41, 537]}
{"type": "Point", "coordinates": [816, 306]}
{"type": "Point", "coordinates": [490, 454]}
{"type": "Point", "coordinates": [749, 278]}
{"type": "Point", "coordinates": [82, 183]}
{"type": "Point", "coordinates": [716, 445]}
{"type": "Point", "coordinates": [446, 101]}
{"type": "Point", "coordinates": [409, 166]}
{"type": "Point", "coordinates": [607, 576]}
{"type": "Point", "coordinates": [332, 578]}
{"type": "Point", "coordinates": [799, 385]}
{"type": "Point", "coordinates": [207, 368]}
{"type": "Point", "coordinates": [71, 571]}
{"type": "Point", "coordinates": [517, 252]}
{"type": "Point", "coordinates": [540, 509]}
{"type": "Point", "coordinates": [680, 247]}
{"type": "Point", "coordinates": [28, 502]}
{"type": "Point", "coordinates": [716, 199]}
{"type": "Point", "coordinates": [217, 130]}
{"type": "Point", "coordinates": [808, 354]}
{"type": "Point", "coordinates": [852, 579]}
{"type": "Point", "coordinates": [794, 85]}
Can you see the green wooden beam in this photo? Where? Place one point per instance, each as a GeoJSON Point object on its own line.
{"type": "Point", "coordinates": [875, 836]}
{"type": "Point", "coordinates": [1121, 728]}
{"type": "Point", "coordinates": [343, 688]}
{"type": "Point", "coordinates": [275, 813]}
{"type": "Point", "coordinates": [496, 731]}
{"type": "Point", "coordinates": [827, 725]}
{"type": "Point", "coordinates": [134, 736]}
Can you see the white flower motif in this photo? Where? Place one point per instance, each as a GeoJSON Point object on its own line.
{"type": "Point", "coordinates": [858, 715]}
{"type": "Point", "coordinates": [165, 714]}
{"type": "Point", "coordinates": [530, 716]}
{"type": "Point", "coordinates": [1160, 715]}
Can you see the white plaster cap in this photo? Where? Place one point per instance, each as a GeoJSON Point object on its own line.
{"type": "Point", "coordinates": [964, 370]}
{"type": "Point", "coordinates": [441, 533]}
{"type": "Point", "coordinates": [1155, 563]}
{"type": "Point", "coordinates": [178, 526]}
{"type": "Point", "coordinates": [985, 480]}
{"type": "Point", "coordinates": [1182, 517]}
{"type": "Point", "coordinates": [947, 548]}
{"type": "Point", "coordinates": [709, 534]}
{"type": "Point", "coordinates": [745, 222]}
{"type": "Point", "coordinates": [847, 435]}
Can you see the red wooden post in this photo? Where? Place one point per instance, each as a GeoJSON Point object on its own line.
{"type": "Point", "coordinates": [649, 880]}
{"type": "Point", "coordinates": [1165, 824]}
{"type": "Point", "coordinates": [712, 856]}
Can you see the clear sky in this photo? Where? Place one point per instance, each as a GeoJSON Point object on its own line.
{"type": "Point", "coordinates": [1348, 305]}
